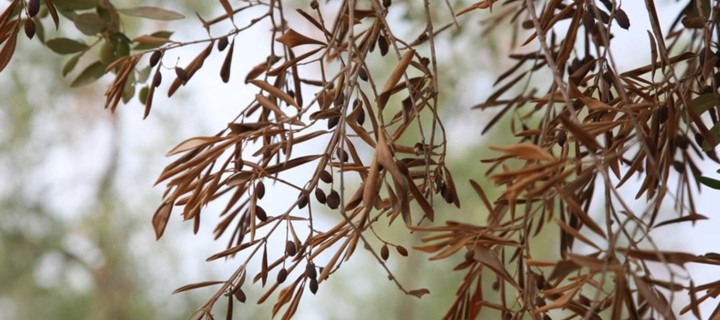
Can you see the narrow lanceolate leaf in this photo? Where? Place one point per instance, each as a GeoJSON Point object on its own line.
{"type": "Point", "coordinates": [225, 70]}
{"type": "Point", "coordinates": [70, 64]}
{"type": "Point", "coordinates": [489, 258]}
{"type": "Point", "coordinates": [152, 13]}
{"type": "Point", "coordinates": [66, 46]}
{"type": "Point", "coordinates": [525, 151]}
{"type": "Point", "coordinates": [233, 250]}
{"type": "Point", "coordinates": [483, 4]}
{"type": "Point", "coordinates": [53, 13]}
{"type": "Point", "coordinates": [692, 218]}
{"type": "Point", "coordinates": [653, 298]}
{"type": "Point", "coordinates": [264, 267]}
{"type": "Point", "coordinates": [242, 176]}
{"type": "Point", "coordinates": [395, 77]}
{"type": "Point", "coordinates": [190, 69]}
{"type": "Point", "coordinates": [151, 93]}
{"type": "Point", "coordinates": [228, 9]}
{"type": "Point", "coordinates": [478, 189]}
{"type": "Point", "coordinates": [89, 74]}
{"type": "Point", "coordinates": [9, 48]}
{"type": "Point", "coordinates": [191, 144]}
{"type": "Point", "coordinates": [371, 185]}
{"type": "Point", "coordinates": [89, 23]}
{"type": "Point", "coordinates": [275, 92]}
{"type": "Point", "coordinates": [197, 285]}
{"type": "Point", "coordinates": [151, 40]}
{"type": "Point", "coordinates": [702, 103]}
{"type": "Point", "coordinates": [76, 4]}
{"type": "Point", "coordinates": [160, 219]}
{"type": "Point", "coordinates": [292, 38]}
{"type": "Point", "coordinates": [709, 182]}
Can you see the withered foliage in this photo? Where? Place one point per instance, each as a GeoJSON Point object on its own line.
{"type": "Point", "coordinates": [581, 135]}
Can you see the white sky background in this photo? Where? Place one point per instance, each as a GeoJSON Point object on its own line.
{"type": "Point", "coordinates": [208, 105]}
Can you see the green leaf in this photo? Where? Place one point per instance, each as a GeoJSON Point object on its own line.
{"type": "Point", "coordinates": [152, 13]}
{"type": "Point", "coordinates": [162, 34]}
{"type": "Point", "coordinates": [128, 92]}
{"type": "Point", "coordinates": [70, 15]}
{"type": "Point", "coordinates": [39, 29]}
{"type": "Point", "coordinates": [715, 132]}
{"type": "Point", "coordinates": [143, 94]}
{"type": "Point", "coordinates": [119, 36]}
{"type": "Point", "coordinates": [107, 52]}
{"type": "Point", "coordinates": [702, 103]}
{"type": "Point", "coordinates": [75, 4]}
{"type": "Point", "coordinates": [122, 49]}
{"type": "Point", "coordinates": [90, 23]}
{"type": "Point", "coordinates": [90, 74]}
{"type": "Point", "coordinates": [710, 182]}
{"type": "Point", "coordinates": [143, 74]}
{"type": "Point", "coordinates": [129, 89]}
{"type": "Point", "coordinates": [150, 45]}
{"type": "Point", "coordinates": [65, 45]}
{"type": "Point", "coordinates": [71, 63]}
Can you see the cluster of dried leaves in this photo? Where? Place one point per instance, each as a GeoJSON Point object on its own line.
{"type": "Point", "coordinates": [581, 138]}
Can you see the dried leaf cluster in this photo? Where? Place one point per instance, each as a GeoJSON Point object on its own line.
{"type": "Point", "coordinates": [580, 138]}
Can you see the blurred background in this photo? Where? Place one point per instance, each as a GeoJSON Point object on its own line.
{"type": "Point", "coordinates": [77, 195]}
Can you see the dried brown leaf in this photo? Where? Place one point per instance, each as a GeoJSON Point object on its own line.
{"type": "Point", "coordinates": [192, 144]}
{"type": "Point", "coordinates": [525, 151]}
{"type": "Point", "coordinates": [160, 219]}
{"type": "Point", "coordinates": [227, 64]}
{"type": "Point", "coordinates": [292, 38]}
{"type": "Point", "coordinates": [197, 285]}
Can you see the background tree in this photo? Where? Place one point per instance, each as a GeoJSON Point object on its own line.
{"type": "Point", "coordinates": [577, 139]}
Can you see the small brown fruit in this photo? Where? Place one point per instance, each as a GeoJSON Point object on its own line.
{"type": "Point", "coordinates": [361, 116]}
{"type": "Point", "coordinates": [310, 270]}
{"type": "Point", "coordinates": [260, 189]}
{"type": "Point", "coordinates": [402, 251]}
{"type": "Point", "coordinates": [561, 138]}
{"type": "Point", "coordinates": [362, 73]}
{"type": "Point", "coordinates": [320, 195]}
{"type": "Point", "coordinates": [155, 58]}
{"type": "Point", "coordinates": [385, 252]}
{"type": "Point", "coordinates": [181, 74]}
{"type": "Point", "coordinates": [290, 248]}
{"type": "Point", "coordinates": [33, 7]}
{"type": "Point", "coordinates": [303, 201]}
{"type": "Point", "coordinates": [260, 213]}
{"type": "Point", "coordinates": [29, 28]}
{"type": "Point", "coordinates": [240, 295]}
{"type": "Point", "coordinates": [622, 19]}
{"type": "Point", "coordinates": [342, 155]}
{"type": "Point", "coordinates": [157, 79]}
{"type": "Point", "coordinates": [282, 275]}
{"type": "Point", "coordinates": [313, 286]}
{"type": "Point", "coordinates": [326, 177]}
{"type": "Point", "coordinates": [222, 43]}
{"type": "Point", "coordinates": [332, 122]}
{"type": "Point", "coordinates": [383, 45]}
{"type": "Point", "coordinates": [333, 200]}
